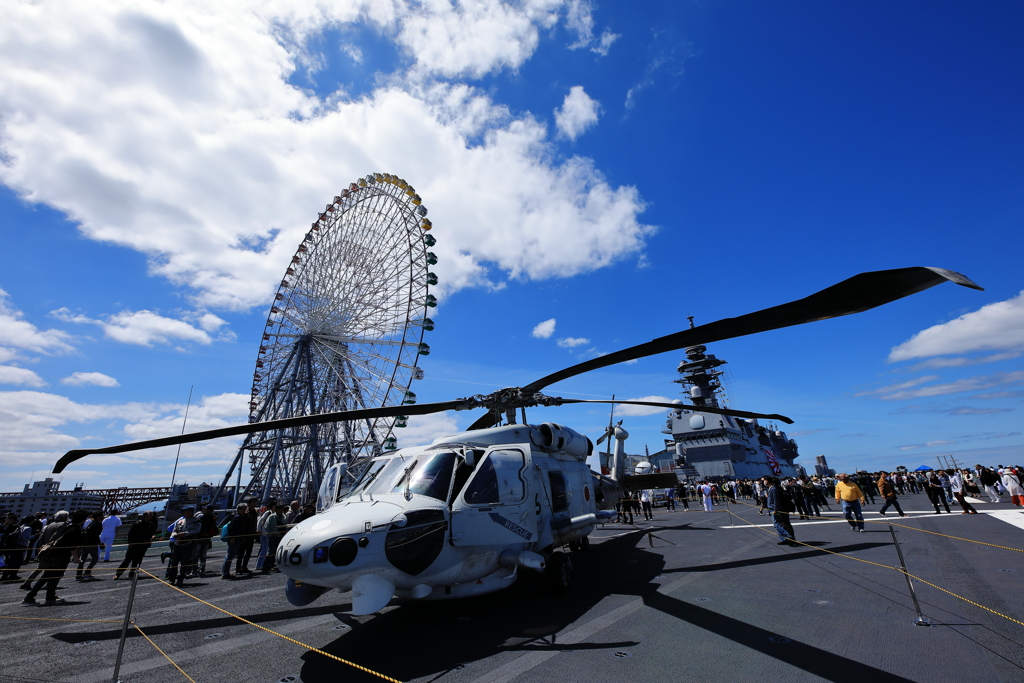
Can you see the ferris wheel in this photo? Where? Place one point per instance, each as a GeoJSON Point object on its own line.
{"type": "Point", "coordinates": [345, 332]}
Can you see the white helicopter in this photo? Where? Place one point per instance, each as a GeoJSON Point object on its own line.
{"type": "Point", "coordinates": [463, 515]}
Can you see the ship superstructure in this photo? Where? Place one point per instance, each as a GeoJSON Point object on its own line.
{"type": "Point", "coordinates": [722, 446]}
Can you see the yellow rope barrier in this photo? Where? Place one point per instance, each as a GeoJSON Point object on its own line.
{"type": "Point", "coordinates": [935, 533]}
{"type": "Point", "coordinates": [897, 569]}
{"type": "Point", "coordinates": [173, 663]}
{"type": "Point", "coordinates": [272, 632]}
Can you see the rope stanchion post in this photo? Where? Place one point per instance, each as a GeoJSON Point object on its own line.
{"type": "Point", "coordinates": [920, 621]}
{"type": "Point", "coordinates": [124, 626]}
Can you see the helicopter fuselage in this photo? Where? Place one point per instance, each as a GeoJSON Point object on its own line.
{"type": "Point", "coordinates": [457, 518]}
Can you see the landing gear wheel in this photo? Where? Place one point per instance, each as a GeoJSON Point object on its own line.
{"type": "Point", "coordinates": [559, 573]}
{"type": "Point", "coordinates": [581, 545]}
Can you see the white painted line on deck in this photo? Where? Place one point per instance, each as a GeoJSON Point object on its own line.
{"type": "Point", "coordinates": [1014, 517]}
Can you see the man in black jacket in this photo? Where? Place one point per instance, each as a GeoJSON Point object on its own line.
{"type": "Point", "coordinates": [90, 547]}
{"type": "Point", "coordinates": [236, 534]}
{"type": "Point", "coordinates": [140, 536]}
{"type": "Point", "coordinates": [988, 480]}
{"type": "Point", "coordinates": [780, 505]}
{"type": "Point", "coordinates": [63, 539]}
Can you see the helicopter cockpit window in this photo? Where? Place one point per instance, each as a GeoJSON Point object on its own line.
{"type": "Point", "coordinates": [325, 496]}
{"type": "Point", "coordinates": [497, 480]}
{"type": "Point", "coordinates": [383, 478]}
{"type": "Point", "coordinates": [368, 476]}
{"type": "Point", "coordinates": [429, 475]}
{"type": "Point", "coordinates": [559, 492]}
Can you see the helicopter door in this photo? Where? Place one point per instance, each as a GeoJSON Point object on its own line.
{"type": "Point", "coordinates": [495, 506]}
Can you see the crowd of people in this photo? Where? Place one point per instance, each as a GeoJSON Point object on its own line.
{"type": "Point", "coordinates": [81, 537]}
{"type": "Point", "coordinates": [807, 496]}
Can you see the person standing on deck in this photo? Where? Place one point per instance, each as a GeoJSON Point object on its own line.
{"type": "Point", "coordinates": [236, 533]}
{"type": "Point", "coordinates": [806, 489]}
{"type": "Point", "coordinates": [645, 504]}
{"type": "Point", "coordinates": [888, 493]}
{"type": "Point", "coordinates": [110, 525]}
{"type": "Point", "coordinates": [185, 533]}
{"type": "Point", "coordinates": [1013, 487]}
{"type": "Point", "coordinates": [936, 493]}
{"type": "Point", "coordinates": [988, 480]}
{"type": "Point", "coordinates": [63, 540]}
{"type": "Point", "coordinates": [140, 536]}
{"type": "Point", "coordinates": [705, 492]}
{"type": "Point", "coordinates": [683, 496]}
{"type": "Point", "coordinates": [92, 529]}
{"type": "Point", "coordinates": [956, 483]}
{"type": "Point", "coordinates": [849, 495]}
{"type": "Point", "coordinates": [779, 505]}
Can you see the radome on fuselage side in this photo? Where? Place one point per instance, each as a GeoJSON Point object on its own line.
{"type": "Point", "coordinates": [456, 518]}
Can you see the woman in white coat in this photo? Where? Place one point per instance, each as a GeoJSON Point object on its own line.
{"type": "Point", "coordinates": [110, 525]}
{"type": "Point", "coordinates": [1011, 482]}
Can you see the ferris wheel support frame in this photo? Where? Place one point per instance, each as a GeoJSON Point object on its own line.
{"type": "Point", "coordinates": [341, 365]}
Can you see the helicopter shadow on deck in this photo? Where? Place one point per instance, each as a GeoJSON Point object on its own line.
{"type": "Point", "coordinates": [430, 639]}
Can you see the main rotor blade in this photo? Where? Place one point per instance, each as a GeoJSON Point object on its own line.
{"type": "Point", "coordinates": [300, 421]}
{"type": "Point", "coordinates": [855, 295]}
{"type": "Point", "coordinates": [682, 406]}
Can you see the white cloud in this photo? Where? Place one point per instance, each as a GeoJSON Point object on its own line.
{"type": "Point", "coordinates": [205, 167]}
{"type": "Point", "coordinates": [605, 43]}
{"type": "Point", "coordinates": [579, 18]}
{"type": "Point", "coordinates": [960, 361]}
{"type": "Point", "coordinates": [637, 411]}
{"type": "Point", "coordinates": [899, 387]}
{"type": "Point", "coordinates": [16, 332]}
{"type": "Point", "coordinates": [28, 420]}
{"type": "Point", "coordinates": [927, 445]}
{"type": "Point", "coordinates": [904, 390]}
{"type": "Point", "coordinates": [33, 424]}
{"type": "Point", "coordinates": [145, 328]}
{"type": "Point", "coordinates": [577, 114]}
{"type": "Point", "coordinates": [423, 429]}
{"type": "Point", "coordinates": [473, 38]}
{"type": "Point", "coordinates": [545, 329]}
{"type": "Point", "coordinates": [97, 379]}
{"type": "Point", "coordinates": [12, 375]}
{"type": "Point", "coordinates": [998, 326]}
{"type": "Point", "coordinates": [572, 342]}
{"type": "Point", "coordinates": [211, 412]}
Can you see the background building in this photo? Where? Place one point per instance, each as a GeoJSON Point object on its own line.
{"type": "Point", "coordinates": [45, 496]}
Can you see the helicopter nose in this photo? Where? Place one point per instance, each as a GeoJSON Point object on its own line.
{"type": "Point", "coordinates": [327, 548]}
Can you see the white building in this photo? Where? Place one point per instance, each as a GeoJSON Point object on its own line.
{"type": "Point", "coordinates": [45, 496]}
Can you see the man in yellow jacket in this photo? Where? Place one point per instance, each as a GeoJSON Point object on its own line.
{"type": "Point", "coordinates": [851, 498]}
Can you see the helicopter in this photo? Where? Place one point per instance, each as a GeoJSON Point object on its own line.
{"type": "Point", "coordinates": [465, 514]}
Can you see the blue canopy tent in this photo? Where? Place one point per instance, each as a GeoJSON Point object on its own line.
{"type": "Point", "coordinates": [923, 468]}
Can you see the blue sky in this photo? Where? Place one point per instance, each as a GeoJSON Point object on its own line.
{"type": "Point", "coordinates": [612, 170]}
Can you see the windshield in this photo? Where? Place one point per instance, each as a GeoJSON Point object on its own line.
{"type": "Point", "coordinates": [429, 474]}
{"type": "Point", "coordinates": [371, 475]}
